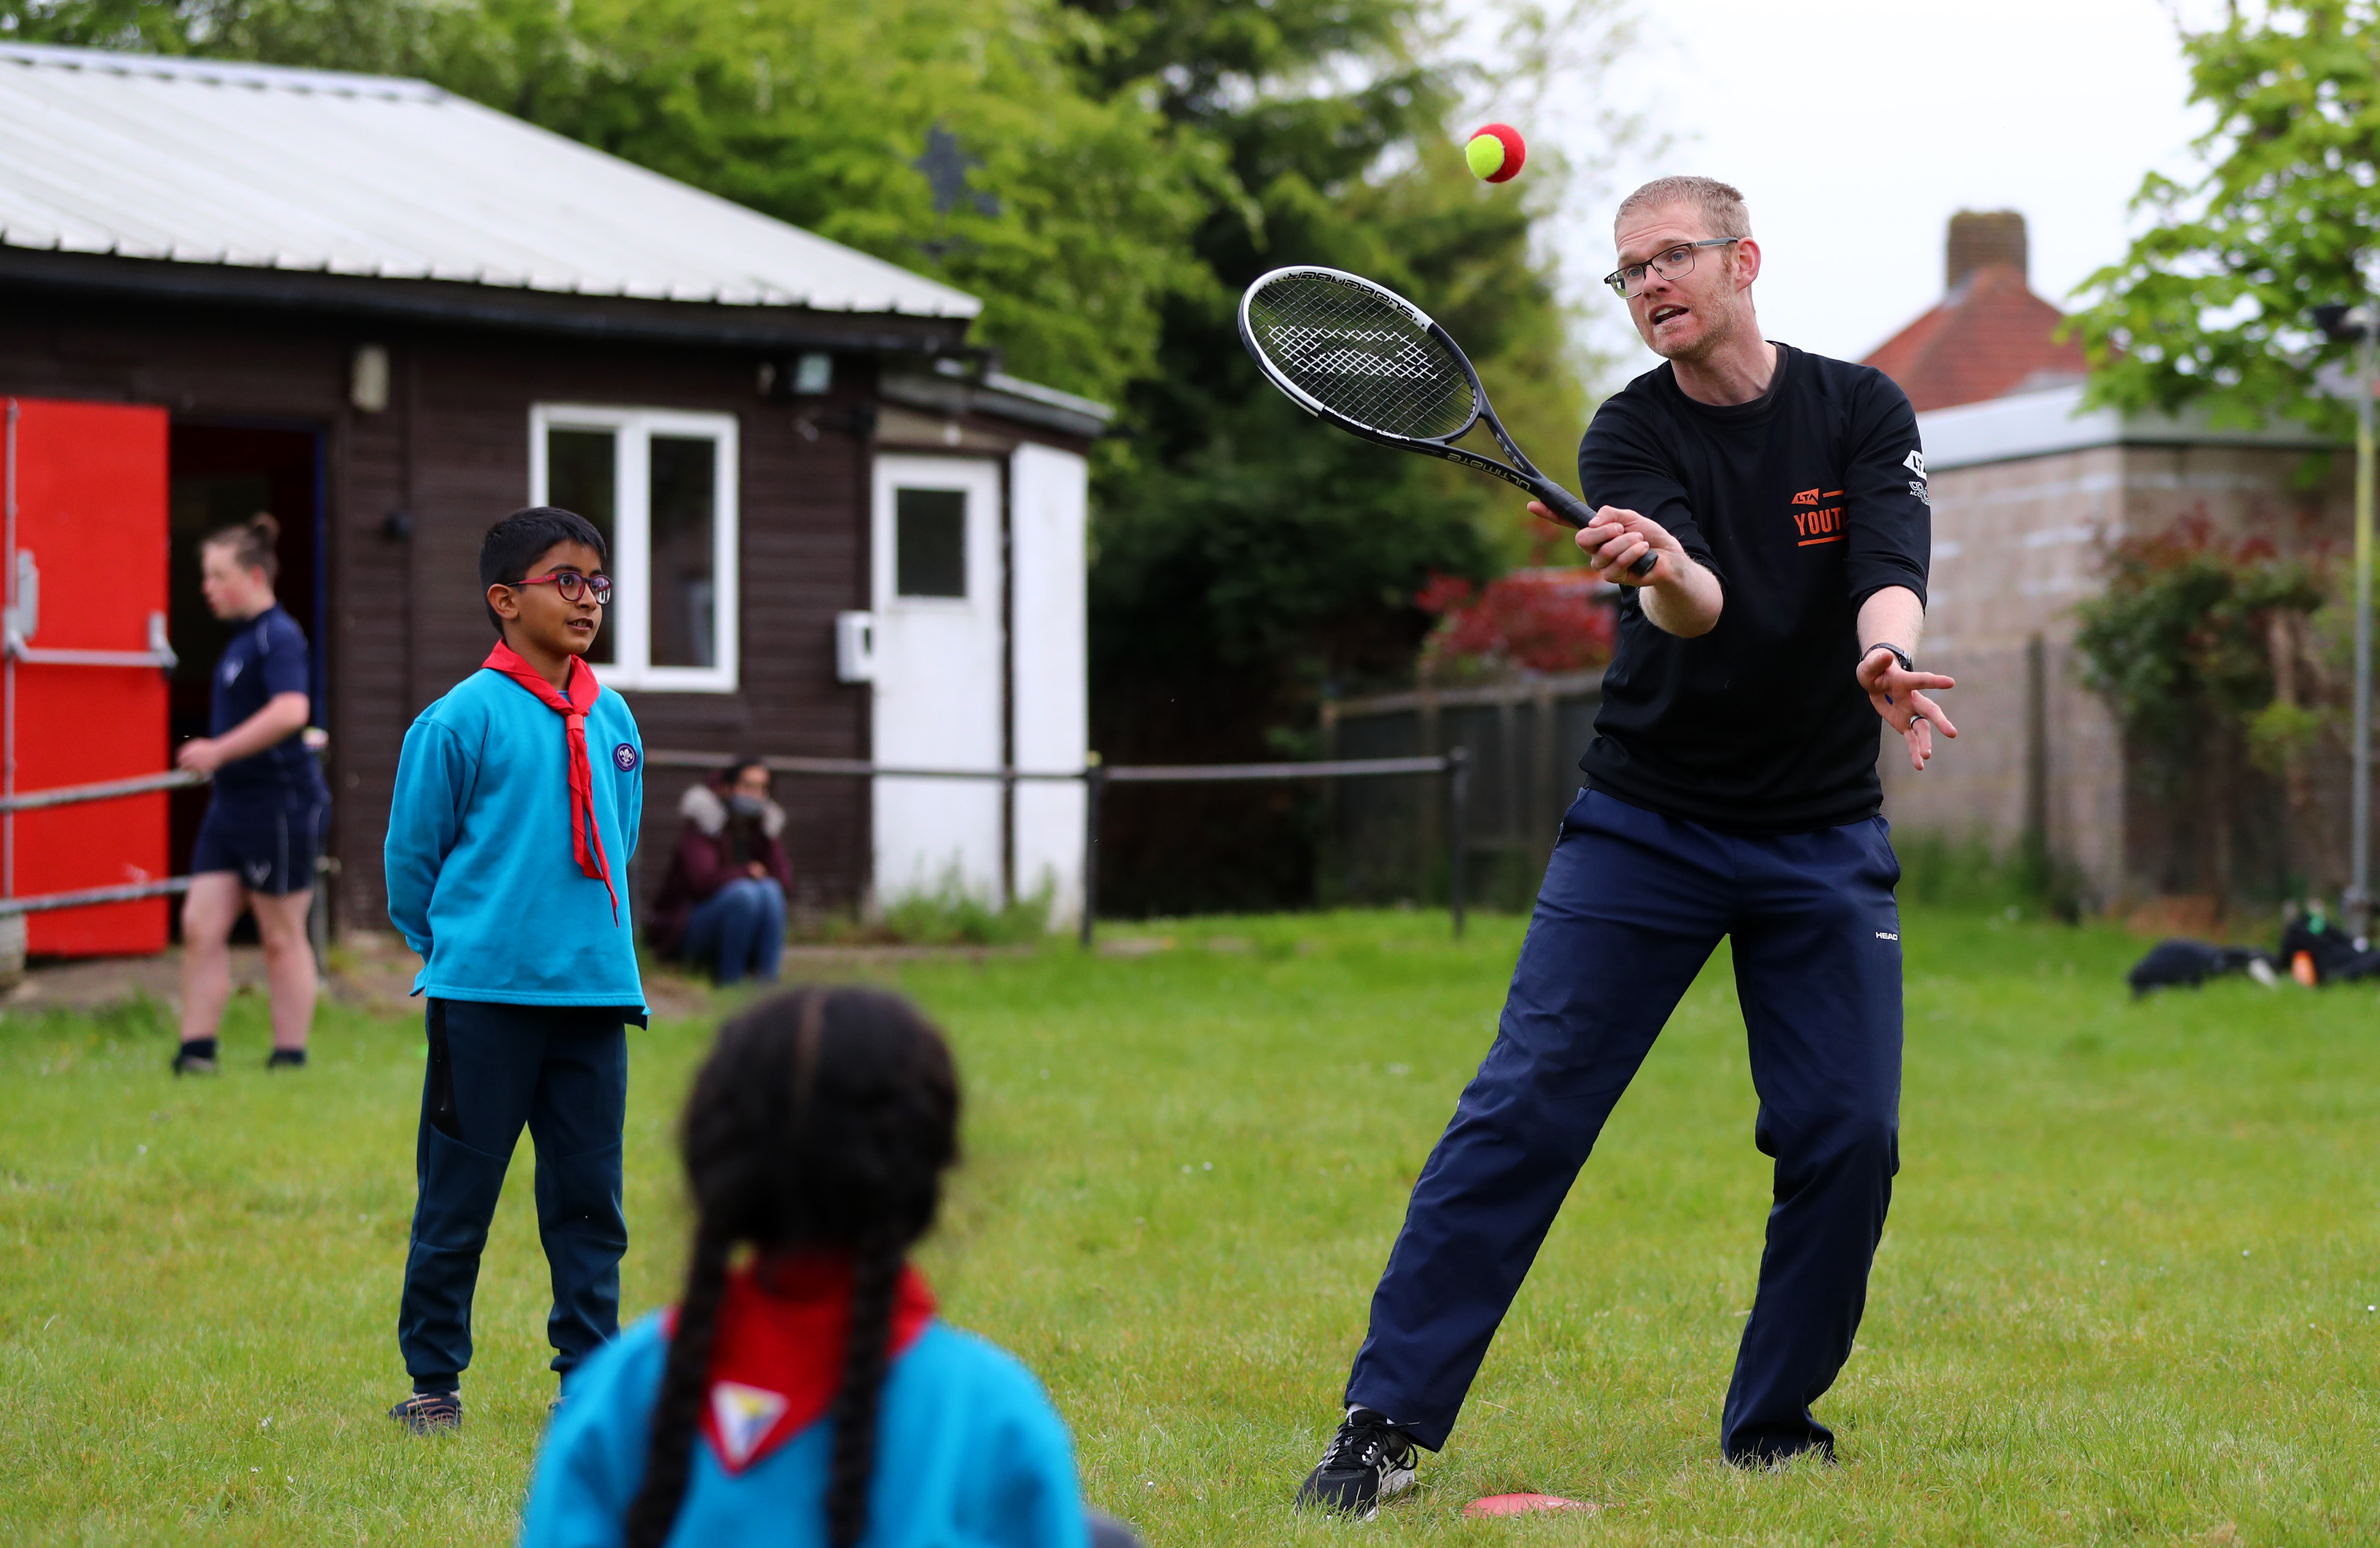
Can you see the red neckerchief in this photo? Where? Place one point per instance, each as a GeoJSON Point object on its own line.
{"type": "Point", "coordinates": [584, 690]}
{"type": "Point", "coordinates": [777, 1357]}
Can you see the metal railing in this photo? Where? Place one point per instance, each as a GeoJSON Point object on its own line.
{"type": "Point", "coordinates": [101, 790]}
{"type": "Point", "coordinates": [318, 917]}
{"type": "Point", "coordinates": [1453, 765]}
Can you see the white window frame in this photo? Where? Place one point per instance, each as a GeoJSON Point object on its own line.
{"type": "Point", "coordinates": [973, 475]}
{"type": "Point", "coordinates": [630, 618]}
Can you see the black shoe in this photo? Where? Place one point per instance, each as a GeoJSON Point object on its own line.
{"type": "Point", "coordinates": [1368, 1461]}
{"type": "Point", "coordinates": [430, 1413]}
{"type": "Point", "coordinates": [188, 1062]}
{"type": "Point", "coordinates": [286, 1058]}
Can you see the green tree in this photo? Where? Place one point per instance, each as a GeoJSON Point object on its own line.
{"type": "Point", "coordinates": [2221, 662]}
{"type": "Point", "coordinates": [1249, 559]}
{"type": "Point", "coordinates": [2210, 304]}
{"type": "Point", "coordinates": [2207, 649]}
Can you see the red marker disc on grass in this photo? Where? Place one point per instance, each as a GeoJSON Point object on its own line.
{"type": "Point", "coordinates": [1522, 1504]}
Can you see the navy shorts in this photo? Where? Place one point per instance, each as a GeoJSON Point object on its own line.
{"type": "Point", "coordinates": [269, 845]}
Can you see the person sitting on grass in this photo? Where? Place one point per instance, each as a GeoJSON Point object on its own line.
{"type": "Point", "coordinates": [510, 836]}
{"type": "Point", "coordinates": [724, 901]}
{"type": "Point", "coordinates": [804, 1391]}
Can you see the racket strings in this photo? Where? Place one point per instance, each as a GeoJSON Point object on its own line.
{"type": "Point", "coordinates": [1361, 357]}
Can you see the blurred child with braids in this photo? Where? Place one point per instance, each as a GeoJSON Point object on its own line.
{"type": "Point", "coordinates": [803, 1391]}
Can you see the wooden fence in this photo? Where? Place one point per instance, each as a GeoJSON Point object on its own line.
{"type": "Point", "coordinates": [1386, 842]}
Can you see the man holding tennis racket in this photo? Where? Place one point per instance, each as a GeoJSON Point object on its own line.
{"type": "Point", "coordinates": [1732, 791]}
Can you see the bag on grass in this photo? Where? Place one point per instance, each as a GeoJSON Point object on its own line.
{"type": "Point", "coordinates": [2187, 964]}
{"type": "Point", "coordinates": [2329, 950]}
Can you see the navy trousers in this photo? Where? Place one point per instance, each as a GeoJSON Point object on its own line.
{"type": "Point", "coordinates": [740, 928]}
{"type": "Point", "coordinates": [1633, 906]}
{"type": "Point", "coordinates": [563, 1071]}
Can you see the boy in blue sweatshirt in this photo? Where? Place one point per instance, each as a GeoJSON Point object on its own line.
{"type": "Point", "coordinates": [518, 797]}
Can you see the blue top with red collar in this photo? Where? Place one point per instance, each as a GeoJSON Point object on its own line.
{"type": "Point", "coordinates": [969, 1451]}
{"type": "Point", "coordinates": [485, 830]}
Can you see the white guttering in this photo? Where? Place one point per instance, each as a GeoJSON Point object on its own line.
{"type": "Point", "coordinates": [2043, 423]}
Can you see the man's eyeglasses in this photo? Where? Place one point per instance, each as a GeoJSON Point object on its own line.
{"type": "Point", "coordinates": [1676, 263]}
{"type": "Point", "coordinates": [572, 584]}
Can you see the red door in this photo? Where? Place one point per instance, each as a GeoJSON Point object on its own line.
{"type": "Point", "coordinates": [82, 697]}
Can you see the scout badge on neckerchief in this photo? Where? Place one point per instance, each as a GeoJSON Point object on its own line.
{"type": "Point", "coordinates": [586, 839]}
{"type": "Point", "coordinates": [778, 1354]}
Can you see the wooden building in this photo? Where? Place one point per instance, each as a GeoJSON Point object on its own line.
{"type": "Point", "coordinates": [390, 315]}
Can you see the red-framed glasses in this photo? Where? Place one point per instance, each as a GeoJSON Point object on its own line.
{"type": "Point", "coordinates": [571, 584]}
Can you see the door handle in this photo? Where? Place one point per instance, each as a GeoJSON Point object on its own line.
{"type": "Point", "coordinates": [159, 655]}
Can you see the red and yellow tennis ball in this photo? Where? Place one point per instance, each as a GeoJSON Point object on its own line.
{"type": "Point", "coordinates": [1495, 152]}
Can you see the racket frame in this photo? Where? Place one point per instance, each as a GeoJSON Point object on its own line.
{"type": "Point", "coordinates": [1565, 506]}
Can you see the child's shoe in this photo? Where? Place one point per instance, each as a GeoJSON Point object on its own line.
{"type": "Point", "coordinates": [196, 1057]}
{"type": "Point", "coordinates": [286, 1058]}
{"type": "Point", "coordinates": [430, 1413]}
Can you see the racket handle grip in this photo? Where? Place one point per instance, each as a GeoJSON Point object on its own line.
{"type": "Point", "coordinates": [1569, 507]}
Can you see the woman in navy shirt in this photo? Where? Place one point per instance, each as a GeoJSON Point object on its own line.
{"type": "Point", "coordinates": [264, 818]}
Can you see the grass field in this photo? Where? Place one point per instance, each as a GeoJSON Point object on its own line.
{"type": "Point", "coordinates": [2125, 1296]}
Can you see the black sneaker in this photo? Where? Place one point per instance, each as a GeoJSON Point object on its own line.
{"type": "Point", "coordinates": [286, 1058]}
{"type": "Point", "coordinates": [188, 1062]}
{"type": "Point", "coordinates": [430, 1413]}
{"type": "Point", "coordinates": [1367, 1462]}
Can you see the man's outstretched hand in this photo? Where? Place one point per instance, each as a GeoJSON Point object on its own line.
{"type": "Point", "coordinates": [1896, 694]}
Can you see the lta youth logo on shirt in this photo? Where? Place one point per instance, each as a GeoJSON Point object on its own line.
{"type": "Point", "coordinates": [624, 758]}
{"type": "Point", "coordinates": [1818, 522]}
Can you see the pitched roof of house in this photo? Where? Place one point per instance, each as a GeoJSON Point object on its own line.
{"type": "Point", "coordinates": [257, 167]}
{"type": "Point", "coordinates": [1990, 337]}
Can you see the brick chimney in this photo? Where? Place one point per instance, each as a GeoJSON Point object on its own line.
{"type": "Point", "coordinates": [1983, 237]}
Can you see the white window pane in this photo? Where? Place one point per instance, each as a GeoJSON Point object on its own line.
{"type": "Point", "coordinates": [685, 517]}
{"type": "Point", "coordinates": [582, 475]}
{"type": "Point", "coordinates": [929, 542]}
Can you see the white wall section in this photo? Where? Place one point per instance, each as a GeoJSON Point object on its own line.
{"type": "Point", "coordinates": [1049, 506]}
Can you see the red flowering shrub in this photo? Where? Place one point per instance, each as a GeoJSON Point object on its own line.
{"type": "Point", "coordinates": [1534, 620]}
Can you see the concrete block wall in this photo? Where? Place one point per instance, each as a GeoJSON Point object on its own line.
{"type": "Point", "coordinates": [2018, 542]}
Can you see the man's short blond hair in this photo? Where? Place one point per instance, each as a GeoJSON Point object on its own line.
{"type": "Point", "coordinates": [1720, 203]}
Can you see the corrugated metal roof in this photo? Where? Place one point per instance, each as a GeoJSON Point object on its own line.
{"type": "Point", "coordinates": [197, 162]}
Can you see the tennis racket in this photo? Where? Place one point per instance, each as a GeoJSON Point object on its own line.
{"type": "Point", "coordinates": [1359, 356]}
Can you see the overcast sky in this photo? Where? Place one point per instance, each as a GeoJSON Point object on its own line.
{"type": "Point", "coordinates": [1855, 128]}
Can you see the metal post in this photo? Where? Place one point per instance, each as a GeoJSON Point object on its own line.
{"type": "Point", "coordinates": [1458, 790]}
{"type": "Point", "coordinates": [2359, 899]}
{"type": "Point", "coordinates": [318, 908]}
{"type": "Point", "coordinates": [1095, 780]}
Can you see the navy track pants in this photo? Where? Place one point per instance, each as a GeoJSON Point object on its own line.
{"type": "Point", "coordinates": [1633, 906]}
{"type": "Point", "coordinates": [564, 1072]}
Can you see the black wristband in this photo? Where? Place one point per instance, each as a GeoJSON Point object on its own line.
{"type": "Point", "coordinates": [1897, 655]}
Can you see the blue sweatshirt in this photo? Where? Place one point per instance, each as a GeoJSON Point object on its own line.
{"type": "Point", "coordinates": [968, 1453]}
{"type": "Point", "coordinates": [482, 880]}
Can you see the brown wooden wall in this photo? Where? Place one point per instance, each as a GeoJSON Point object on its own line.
{"type": "Point", "coordinates": [452, 450]}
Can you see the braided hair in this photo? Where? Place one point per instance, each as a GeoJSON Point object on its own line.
{"type": "Point", "coordinates": [823, 1118]}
